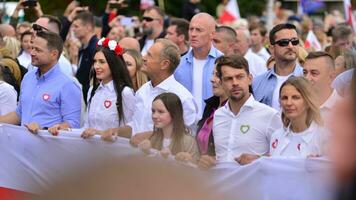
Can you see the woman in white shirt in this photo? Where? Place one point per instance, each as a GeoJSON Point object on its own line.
{"type": "Point", "coordinates": [111, 99]}
{"type": "Point", "coordinates": [8, 94]}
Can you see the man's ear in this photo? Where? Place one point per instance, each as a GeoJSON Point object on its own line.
{"type": "Point", "coordinates": [181, 38]}
{"type": "Point", "coordinates": [55, 53]}
{"type": "Point", "coordinates": [164, 64]}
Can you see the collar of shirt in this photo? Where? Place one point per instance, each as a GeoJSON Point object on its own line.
{"type": "Point", "coordinates": [50, 73]}
{"type": "Point", "coordinates": [213, 53]}
{"type": "Point", "coordinates": [296, 72]}
{"type": "Point", "coordinates": [307, 135]}
{"type": "Point", "coordinates": [247, 105]}
{"type": "Point", "coordinates": [330, 102]}
{"type": "Point", "coordinates": [108, 86]}
{"type": "Point", "coordinates": [165, 84]}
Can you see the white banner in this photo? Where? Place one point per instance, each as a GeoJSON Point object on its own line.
{"type": "Point", "coordinates": [32, 163]}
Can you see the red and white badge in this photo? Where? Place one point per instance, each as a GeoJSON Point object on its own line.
{"type": "Point", "coordinates": [46, 97]}
{"type": "Point", "coordinates": [107, 104]}
{"type": "Point", "coordinates": [275, 144]}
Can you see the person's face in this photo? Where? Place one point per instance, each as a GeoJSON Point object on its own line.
{"type": "Point", "coordinates": [152, 61]}
{"type": "Point", "coordinates": [172, 34]}
{"type": "Point", "coordinates": [79, 29]}
{"type": "Point", "coordinates": [20, 30]}
{"type": "Point", "coordinates": [235, 82]}
{"type": "Point", "coordinates": [101, 67]}
{"type": "Point", "coordinates": [292, 103]}
{"type": "Point", "coordinates": [242, 43]}
{"type": "Point", "coordinates": [150, 22]}
{"type": "Point", "coordinates": [116, 33]}
{"type": "Point", "coordinates": [131, 65]}
{"type": "Point", "coordinates": [200, 34]}
{"type": "Point", "coordinates": [256, 37]}
{"type": "Point", "coordinates": [221, 42]}
{"type": "Point", "coordinates": [344, 43]}
{"type": "Point", "coordinates": [41, 56]}
{"type": "Point", "coordinates": [285, 53]}
{"type": "Point", "coordinates": [44, 22]}
{"type": "Point", "coordinates": [160, 116]}
{"type": "Point", "coordinates": [340, 65]}
{"type": "Point", "coordinates": [218, 90]}
{"type": "Point", "coordinates": [319, 73]}
{"type": "Point", "coordinates": [26, 43]}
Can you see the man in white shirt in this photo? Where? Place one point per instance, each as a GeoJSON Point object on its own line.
{"type": "Point", "coordinates": [242, 125]}
{"type": "Point", "coordinates": [258, 37]}
{"type": "Point", "coordinates": [319, 69]}
{"type": "Point", "coordinates": [159, 64]}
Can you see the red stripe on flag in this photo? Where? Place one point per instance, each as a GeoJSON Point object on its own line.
{"type": "Point", "coordinates": [226, 17]}
{"type": "Point", "coordinates": [10, 194]}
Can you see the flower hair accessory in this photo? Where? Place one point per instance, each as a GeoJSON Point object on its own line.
{"type": "Point", "coordinates": [111, 44]}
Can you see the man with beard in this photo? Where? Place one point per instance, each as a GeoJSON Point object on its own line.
{"type": "Point", "coordinates": [284, 43]}
{"type": "Point", "coordinates": [152, 24]}
{"type": "Point", "coordinates": [242, 125]}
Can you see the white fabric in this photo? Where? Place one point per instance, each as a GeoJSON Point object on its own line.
{"type": "Point", "coordinates": [32, 163]}
{"type": "Point", "coordinates": [147, 45]}
{"type": "Point", "coordinates": [8, 98]}
{"type": "Point", "coordinates": [198, 84]}
{"type": "Point", "coordinates": [102, 111]}
{"type": "Point", "coordinates": [256, 64]}
{"type": "Point", "coordinates": [326, 107]}
{"type": "Point", "coordinates": [24, 59]}
{"type": "Point", "coordinates": [263, 53]}
{"type": "Point", "coordinates": [312, 141]}
{"type": "Point", "coordinates": [342, 82]}
{"type": "Point", "coordinates": [142, 120]}
{"type": "Point", "coordinates": [275, 98]}
{"type": "Point", "coordinates": [247, 132]}
{"type": "Point", "coordinates": [166, 143]}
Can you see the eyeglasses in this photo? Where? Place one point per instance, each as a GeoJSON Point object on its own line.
{"type": "Point", "coordinates": [147, 19]}
{"type": "Point", "coordinates": [285, 42]}
{"type": "Point", "coordinates": [39, 28]}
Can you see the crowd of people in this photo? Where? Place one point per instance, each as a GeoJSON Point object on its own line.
{"type": "Point", "coordinates": [197, 90]}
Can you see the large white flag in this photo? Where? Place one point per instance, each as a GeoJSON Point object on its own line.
{"type": "Point", "coordinates": [231, 12]}
{"type": "Point", "coordinates": [348, 14]}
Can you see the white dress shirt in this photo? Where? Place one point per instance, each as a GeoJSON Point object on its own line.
{"type": "Point", "coordinates": [256, 64]}
{"type": "Point", "coordinates": [263, 53]}
{"type": "Point", "coordinates": [8, 98]}
{"type": "Point", "coordinates": [286, 143]}
{"type": "Point", "coordinates": [102, 111]}
{"type": "Point", "coordinates": [247, 132]}
{"type": "Point", "coordinates": [142, 120]}
{"type": "Point", "coordinates": [24, 59]}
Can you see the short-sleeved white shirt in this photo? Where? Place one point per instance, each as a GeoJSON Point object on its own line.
{"type": "Point", "coordinates": [247, 132]}
{"type": "Point", "coordinates": [102, 111]}
{"type": "Point", "coordinates": [142, 118]}
{"type": "Point", "coordinates": [286, 143]}
{"type": "Point", "coordinates": [8, 98]}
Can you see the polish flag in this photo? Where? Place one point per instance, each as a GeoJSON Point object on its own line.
{"type": "Point", "coordinates": [230, 13]}
{"type": "Point", "coordinates": [146, 4]}
{"type": "Point", "coordinates": [312, 42]}
{"type": "Point", "coordinates": [348, 14]}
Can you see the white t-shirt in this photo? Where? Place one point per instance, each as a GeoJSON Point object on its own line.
{"type": "Point", "coordinates": [8, 98]}
{"type": "Point", "coordinates": [256, 64]}
{"type": "Point", "coordinates": [148, 44]}
{"type": "Point", "coordinates": [166, 143]}
{"type": "Point", "coordinates": [198, 67]}
{"type": "Point", "coordinates": [275, 98]}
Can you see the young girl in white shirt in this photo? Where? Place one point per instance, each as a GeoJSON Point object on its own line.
{"type": "Point", "coordinates": [111, 99]}
{"type": "Point", "coordinates": [170, 135]}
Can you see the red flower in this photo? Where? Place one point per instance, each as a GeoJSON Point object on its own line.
{"type": "Point", "coordinates": [118, 50]}
{"type": "Point", "coordinates": [106, 42]}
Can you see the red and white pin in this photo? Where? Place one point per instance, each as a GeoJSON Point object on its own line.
{"type": "Point", "coordinates": [275, 144]}
{"type": "Point", "coordinates": [46, 97]}
{"type": "Point", "coordinates": [107, 104]}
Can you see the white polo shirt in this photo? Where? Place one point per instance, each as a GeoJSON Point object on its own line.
{"type": "Point", "coordinates": [102, 111]}
{"type": "Point", "coordinates": [286, 143]}
{"type": "Point", "coordinates": [8, 98]}
{"type": "Point", "coordinates": [247, 132]}
{"type": "Point", "coordinates": [326, 107]}
{"type": "Point", "coordinates": [142, 119]}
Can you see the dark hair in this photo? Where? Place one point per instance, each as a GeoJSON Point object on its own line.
{"type": "Point", "coordinates": [262, 29]}
{"type": "Point", "coordinates": [53, 20]}
{"type": "Point", "coordinates": [234, 61]}
{"type": "Point", "coordinates": [277, 28]}
{"type": "Point", "coordinates": [25, 33]}
{"type": "Point", "coordinates": [86, 17]}
{"type": "Point", "coordinates": [182, 27]}
{"type": "Point", "coordinates": [319, 54]}
{"type": "Point", "coordinates": [227, 29]}
{"type": "Point", "coordinates": [158, 10]}
{"type": "Point", "coordinates": [341, 31]}
{"type": "Point", "coordinates": [175, 108]}
{"type": "Point", "coordinates": [120, 76]}
{"type": "Point", "coordinates": [54, 41]}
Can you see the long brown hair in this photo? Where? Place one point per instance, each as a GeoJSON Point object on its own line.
{"type": "Point", "coordinates": [303, 86]}
{"type": "Point", "coordinates": [174, 106]}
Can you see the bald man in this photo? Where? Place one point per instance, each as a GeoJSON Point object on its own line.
{"type": "Point", "coordinates": [196, 67]}
{"type": "Point", "coordinates": [130, 43]}
{"type": "Point", "coordinates": [7, 30]}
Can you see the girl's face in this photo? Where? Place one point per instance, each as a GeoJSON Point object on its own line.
{"type": "Point", "coordinates": [160, 116]}
{"type": "Point", "coordinates": [131, 64]}
{"type": "Point", "coordinates": [101, 68]}
{"type": "Point", "coordinates": [26, 43]}
{"type": "Point", "coordinates": [292, 103]}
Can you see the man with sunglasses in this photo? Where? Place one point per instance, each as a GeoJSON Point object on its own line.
{"type": "Point", "coordinates": [284, 43]}
{"type": "Point", "coordinates": [152, 27]}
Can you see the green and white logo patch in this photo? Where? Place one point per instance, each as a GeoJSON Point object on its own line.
{"type": "Point", "coordinates": [244, 128]}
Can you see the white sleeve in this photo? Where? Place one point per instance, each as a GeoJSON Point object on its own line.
{"type": "Point", "coordinates": [128, 99]}
{"type": "Point", "coordinates": [274, 124]}
{"type": "Point", "coordinates": [8, 99]}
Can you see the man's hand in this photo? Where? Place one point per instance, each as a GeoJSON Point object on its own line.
{"type": "Point", "coordinates": [33, 127]}
{"type": "Point", "coordinates": [206, 162]}
{"type": "Point", "coordinates": [70, 8]}
{"type": "Point", "coordinates": [75, 11]}
{"type": "Point", "coordinates": [246, 158]}
{"type": "Point", "coordinates": [38, 10]}
{"type": "Point", "coordinates": [54, 130]}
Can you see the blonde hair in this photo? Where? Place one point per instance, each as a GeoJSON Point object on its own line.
{"type": "Point", "coordinates": [141, 78]}
{"type": "Point", "coordinates": [303, 86]}
{"type": "Point", "coordinates": [13, 45]}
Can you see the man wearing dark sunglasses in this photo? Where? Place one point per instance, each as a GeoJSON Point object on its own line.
{"type": "Point", "coordinates": [152, 25]}
{"type": "Point", "coordinates": [284, 43]}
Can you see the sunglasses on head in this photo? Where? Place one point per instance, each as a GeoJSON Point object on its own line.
{"type": "Point", "coordinates": [147, 19]}
{"type": "Point", "coordinates": [285, 42]}
{"type": "Point", "coordinates": [38, 28]}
